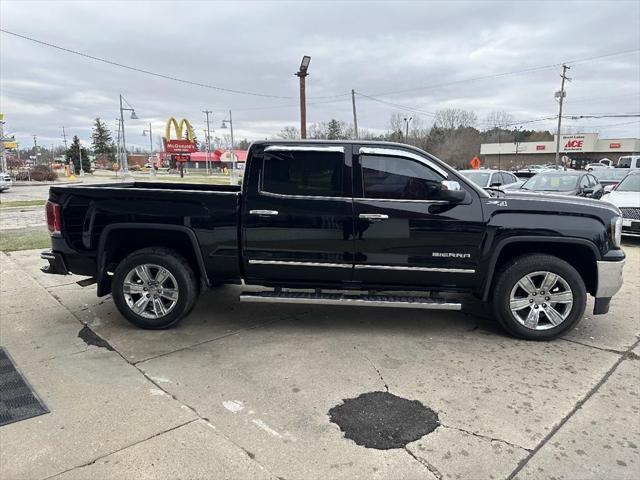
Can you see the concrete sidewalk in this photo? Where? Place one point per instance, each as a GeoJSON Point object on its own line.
{"type": "Point", "coordinates": [241, 391]}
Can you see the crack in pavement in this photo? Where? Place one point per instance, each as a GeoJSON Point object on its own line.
{"type": "Point", "coordinates": [603, 349]}
{"type": "Point", "coordinates": [624, 356]}
{"type": "Point", "coordinates": [355, 347]}
{"type": "Point", "coordinates": [485, 437]}
{"type": "Point", "coordinates": [433, 470]}
{"type": "Point", "coordinates": [121, 449]}
{"type": "Point", "coordinates": [182, 404]}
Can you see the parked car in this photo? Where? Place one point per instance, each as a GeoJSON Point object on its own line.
{"type": "Point", "coordinates": [489, 178]}
{"type": "Point", "coordinates": [5, 181]}
{"type": "Point", "coordinates": [626, 196]}
{"type": "Point", "coordinates": [610, 177]}
{"type": "Point", "coordinates": [572, 183]}
{"type": "Point", "coordinates": [629, 161]}
{"type": "Point", "coordinates": [590, 167]}
{"type": "Point", "coordinates": [335, 223]}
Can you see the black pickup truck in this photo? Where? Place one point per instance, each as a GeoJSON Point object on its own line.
{"type": "Point", "coordinates": [340, 223]}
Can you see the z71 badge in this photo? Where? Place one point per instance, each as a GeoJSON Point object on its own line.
{"type": "Point", "coordinates": [500, 203]}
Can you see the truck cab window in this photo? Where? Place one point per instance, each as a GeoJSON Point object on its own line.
{"type": "Point", "coordinates": [398, 178]}
{"type": "Point", "coordinates": [307, 173]}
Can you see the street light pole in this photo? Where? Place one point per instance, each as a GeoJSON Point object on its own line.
{"type": "Point", "coordinates": [406, 126]}
{"type": "Point", "coordinates": [125, 163]}
{"type": "Point", "coordinates": [302, 73]}
{"type": "Point", "coordinates": [144, 132]}
{"type": "Point", "coordinates": [80, 154]}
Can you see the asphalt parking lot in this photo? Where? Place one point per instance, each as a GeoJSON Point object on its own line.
{"type": "Point", "coordinates": [245, 390]}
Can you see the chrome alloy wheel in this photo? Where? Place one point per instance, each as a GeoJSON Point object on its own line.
{"type": "Point", "coordinates": [541, 300]}
{"type": "Point", "coordinates": [150, 291]}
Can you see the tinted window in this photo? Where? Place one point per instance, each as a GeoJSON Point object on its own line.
{"type": "Point", "coordinates": [303, 173]}
{"type": "Point", "coordinates": [398, 178]}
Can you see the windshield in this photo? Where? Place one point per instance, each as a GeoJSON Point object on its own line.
{"type": "Point", "coordinates": [630, 184]}
{"type": "Point", "coordinates": [552, 182]}
{"type": "Point", "coordinates": [479, 178]}
{"type": "Point", "coordinates": [609, 174]}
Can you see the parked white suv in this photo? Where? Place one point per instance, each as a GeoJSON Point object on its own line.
{"type": "Point", "coordinates": [629, 161]}
{"type": "Point", "coordinates": [5, 181]}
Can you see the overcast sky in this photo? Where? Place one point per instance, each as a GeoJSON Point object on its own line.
{"type": "Point", "coordinates": [413, 54]}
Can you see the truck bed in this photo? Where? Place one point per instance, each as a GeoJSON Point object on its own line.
{"type": "Point", "coordinates": [105, 213]}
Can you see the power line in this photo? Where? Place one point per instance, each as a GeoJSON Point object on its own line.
{"type": "Point", "coordinates": [503, 74]}
{"type": "Point", "coordinates": [141, 70]}
{"type": "Point", "coordinates": [397, 105]}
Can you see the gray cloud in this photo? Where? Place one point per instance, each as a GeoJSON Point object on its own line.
{"type": "Point", "coordinates": [374, 47]}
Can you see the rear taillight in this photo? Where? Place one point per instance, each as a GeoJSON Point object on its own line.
{"type": "Point", "coordinates": [53, 218]}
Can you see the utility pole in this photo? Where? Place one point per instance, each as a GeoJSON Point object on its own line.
{"type": "Point", "coordinates": [3, 157]}
{"type": "Point", "coordinates": [208, 162]}
{"type": "Point", "coordinates": [560, 96]}
{"type": "Point", "coordinates": [302, 74]}
{"type": "Point", "coordinates": [355, 116]}
{"type": "Point", "coordinates": [64, 138]}
{"type": "Point", "coordinates": [35, 149]}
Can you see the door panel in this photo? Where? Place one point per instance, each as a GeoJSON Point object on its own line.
{"type": "Point", "coordinates": [298, 225]}
{"type": "Point", "coordinates": [417, 242]}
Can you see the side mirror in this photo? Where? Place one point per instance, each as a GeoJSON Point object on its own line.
{"type": "Point", "coordinates": [451, 191]}
{"type": "Point", "coordinates": [587, 191]}
{"type": "Point", "coordinates": [608, 189]}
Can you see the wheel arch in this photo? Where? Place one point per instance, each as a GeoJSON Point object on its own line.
{"type": "Point", "coordinates": [569, 249]}
{"type": "Point", "coordinates": [176, 237]}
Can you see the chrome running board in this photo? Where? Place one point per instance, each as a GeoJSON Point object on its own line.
{"type": "Point", "coordinates": [395, 301]}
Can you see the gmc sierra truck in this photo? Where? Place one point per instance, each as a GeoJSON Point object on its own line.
{"type": "Point", "coordinates": [340, 223]}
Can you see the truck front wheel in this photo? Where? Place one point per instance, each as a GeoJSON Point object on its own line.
{"type": "Point", "coordinates": [154, 288]}
{"type": "Point", "coordinates": [539, 297]}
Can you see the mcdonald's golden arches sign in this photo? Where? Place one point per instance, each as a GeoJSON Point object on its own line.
{"type": "Point", "coordinates": [179, 144]}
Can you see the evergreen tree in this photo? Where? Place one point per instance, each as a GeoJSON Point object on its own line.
{"type": "Point", "coordinates": [73, 156]}
{"type": "Point", "coordinates": [102, 142]}
{"type": "Point", "coordinates": [334, 130]}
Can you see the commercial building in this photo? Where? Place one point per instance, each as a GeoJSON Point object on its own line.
{"type": "Point", "coordinates": [576, 150]}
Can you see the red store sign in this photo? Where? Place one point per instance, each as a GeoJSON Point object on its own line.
{"type": "Point", "coordinates": [541, 147]}
{"type": "Point", "coordinates": [614, 145]}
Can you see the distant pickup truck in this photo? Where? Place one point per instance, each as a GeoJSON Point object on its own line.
{"type": "Point", "coordinates": [340, 223]}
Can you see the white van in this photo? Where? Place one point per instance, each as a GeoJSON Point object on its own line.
{"type": "Point", "coordinates": [629, 161]}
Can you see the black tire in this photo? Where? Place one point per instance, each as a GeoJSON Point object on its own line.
{"type": "Point", "coordinates": [183, 274]}
{"type": "Point", "coordinates": [510, 275]}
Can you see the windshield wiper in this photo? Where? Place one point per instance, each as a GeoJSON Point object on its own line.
{"type": "Point", "coordinates": [496, 190]}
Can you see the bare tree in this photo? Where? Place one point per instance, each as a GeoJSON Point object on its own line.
{"type": "Point", "coordinates": [499, 119]}
{"type": "Point", "coordinates": [289, 133]}
{"type": "Point", "coordinates": [452, 118]}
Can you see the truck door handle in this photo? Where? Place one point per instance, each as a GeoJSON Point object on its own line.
{"type": "Point", "coordinates": [374, 217]}
{"type": "Point", "coordinates": [264, 212]}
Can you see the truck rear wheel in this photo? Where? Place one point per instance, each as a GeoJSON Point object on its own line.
{"type": "Point", "coordinates": [154, 288]}
{"type": "Point", "coordinates": [539, 297]}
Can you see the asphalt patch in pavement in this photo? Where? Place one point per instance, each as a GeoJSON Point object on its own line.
{"type": "Point", "coordinates": [90, 338]}
{"type": "Point", "coordinates": [382, 420]}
